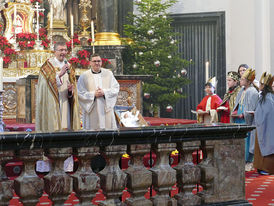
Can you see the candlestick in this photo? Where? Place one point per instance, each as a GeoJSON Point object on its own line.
{"type": "Point", "coordinates": [51, 17]}
{"type": "Point", "coordinates": [206, 70]}
{"type": "Point", "coordinates": [92, 35]}
{"type": "Point", "coordinates": [15, 14]}
{"type": "Point", "coordinates": [92, 30]}
{"type": "Point", "coordinates": [71, 25]}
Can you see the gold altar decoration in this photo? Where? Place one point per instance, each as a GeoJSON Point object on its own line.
{"type": "Point", "coordinates": [59, 30]}
{"type": "Point", "coordinates": [107, 39]}
{"type": "Point", "coordinates": [84, 21]}
{"type": "Point", "coordinates": [9, 100]}
{"type": "Point", "coordinates": [23, 19]}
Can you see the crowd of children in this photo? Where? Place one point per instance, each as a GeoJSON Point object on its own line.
{"type": "Point", "coordinates": [247, 101]}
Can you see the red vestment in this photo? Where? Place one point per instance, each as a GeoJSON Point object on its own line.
{"type": "Point", "coordinates": [214, 104]}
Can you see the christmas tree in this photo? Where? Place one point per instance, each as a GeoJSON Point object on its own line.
{"type": "Point", "coordinates": [153, 50]}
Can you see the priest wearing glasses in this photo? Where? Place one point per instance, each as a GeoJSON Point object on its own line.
{"type": "Point", "coordinates": [97, 91]}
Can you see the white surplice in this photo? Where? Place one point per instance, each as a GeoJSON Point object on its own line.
{"type": "Point", "coordinates": [98, 113]}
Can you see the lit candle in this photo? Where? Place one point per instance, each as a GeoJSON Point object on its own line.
{"type": "Point", "coordinates": [207, 70]}
{"type": "Point", "coordinates": [92, 30]}
{"type": "Point", "coordinates": [1, 73]}
{"type": "Point", "coordinates": [51, 17]}
{"type": "Point", "coordinates": [71, 25]}
{"type": "Point", "coordinates": [15, 14]}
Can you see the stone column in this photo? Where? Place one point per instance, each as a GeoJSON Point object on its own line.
{"type": "Point", "coordinates": [188, 174]}
{"type": "Point", "coordinates": [28, 186]}
{"type": "Point", "coordinates": [6, 185]}
{"type": "Point", "coordinates": [208, 174]}
{"type": "Point", "coordinates": [85, 181]}
{"type": "Point", "coordinates": [163, 176]}
{"type": "Point", "coordinates": [58, 185]}
{"type": "Point", "coordinates": [139, 178]}
{"type": "Point", "coordinates": [124, 8]}
{"type": "Point", "coordinates": [112, 178]}
{"type": "Point", "coordinates": [107, 23]}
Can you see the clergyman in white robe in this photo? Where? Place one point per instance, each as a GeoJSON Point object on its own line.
{"type": "Point", "coordinates": [98, 113]}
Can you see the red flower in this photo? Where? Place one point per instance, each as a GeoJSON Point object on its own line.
{"type": "Point", "coordinates": [74, 60]}
{"type": "Point", "coordinates": [7, 59]}
{"type": "Point", "coordinates": [84, 62]}
{"type": "Point", "coordinates": [9, 51]}
{"type": "Point", "coordinates": [76, 41]}
{"type": "Point", "coordinates": [83, 54]}
{"type": "Point", "coordinates": [31, 44]}
{"type": "Point", "coordinates": [105, 61]}
{"type": "Point", "coordinates": [34, 1]}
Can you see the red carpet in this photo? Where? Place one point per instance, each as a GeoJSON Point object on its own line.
{"type": "Point", "coordinates": [259, 189]}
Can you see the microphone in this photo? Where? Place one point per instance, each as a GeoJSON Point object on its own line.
{"type": "Point", "coordinates": [68, 71]}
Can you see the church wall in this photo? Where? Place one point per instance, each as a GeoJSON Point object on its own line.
{"type": "Point", "coordinates": [249, 26]}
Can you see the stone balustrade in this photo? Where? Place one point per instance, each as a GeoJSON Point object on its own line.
{"type": "Point", "coordinates": [220, 173]}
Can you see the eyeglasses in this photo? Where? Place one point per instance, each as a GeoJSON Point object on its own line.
{"type": "Point", "coordinates": [98, 61]}
{"type": "Point", "coordinates": [62, 50]}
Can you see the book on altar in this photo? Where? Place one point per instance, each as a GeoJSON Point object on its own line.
{"type": "Point", "coordinates": [194, 112]}
{"type": "Point", "coordinates": [250, 112]}
{"type": "Point", "coordinates": [222, 108]}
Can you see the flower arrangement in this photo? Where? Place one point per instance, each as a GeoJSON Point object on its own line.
{"type": "Point", "coordinates": [81, 60]}
{"type": "Point", "coordinates": [75, 41]}
{"type": "Point", "coordinates": [105, 62]}
{"type": "Point", "coordinates": [43, 36]}
{"type": "Point", "coordinates": [7, 52]}
{"type": "Point", "coordinates": [26, 41]}
{"type": "Point", "coordinates": [34, 1]}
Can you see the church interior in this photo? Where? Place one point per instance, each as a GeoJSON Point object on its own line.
{"type": "Point", "coordinates": [169, 158]}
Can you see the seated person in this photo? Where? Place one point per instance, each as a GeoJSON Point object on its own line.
{"type": "Point", "coordinates": [207, 109]}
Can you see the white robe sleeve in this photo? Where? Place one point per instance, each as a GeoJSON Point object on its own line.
{"type": "Point", "coordinates": [58, 81]}
{"type": "Point", "coordinates": [86, 98]}
{"type": "Point", "coordinates": [111, 94]}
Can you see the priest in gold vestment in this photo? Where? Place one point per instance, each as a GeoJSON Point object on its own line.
{"type": "Point", "coordinates": [98, 90]}
{"type": "Point", "coordinates": [56, 94]}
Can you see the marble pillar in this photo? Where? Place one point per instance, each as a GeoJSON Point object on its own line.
{"type": "Point", "coordinates": [107, 23]}
{"type": "Point", "coordinates": [124, 8]}
{"type": "Point", "coordinates": [107, 13]}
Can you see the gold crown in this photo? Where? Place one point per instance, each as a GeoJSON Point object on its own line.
{"type": "Point", "coordinates": [267, 79]}
{"type": "Point", "coordinates": [249, 74]}
{"type": "Point", "coordinates": [233, 75]}
{"type": "Point", "coordinates": [213, 81]}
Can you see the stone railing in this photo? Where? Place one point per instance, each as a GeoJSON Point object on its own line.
{"type": "Point", "coordinates": [221, 172]}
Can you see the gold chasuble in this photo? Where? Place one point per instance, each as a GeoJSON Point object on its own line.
{"type": "Point", "coordinates": [54, 109]}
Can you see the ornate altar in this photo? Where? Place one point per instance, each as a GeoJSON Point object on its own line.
{"type": "Point", "coordinates": [130, 89]}
{"type": "Point", "coordinates": [23, 20]}
{"type": "Point", "coordinates": [20, 76]}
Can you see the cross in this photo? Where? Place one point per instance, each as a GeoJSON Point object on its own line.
{"type": "Point", "coordinates": [37, 16]}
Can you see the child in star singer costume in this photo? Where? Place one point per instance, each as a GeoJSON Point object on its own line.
{"type": "Point", "coordinates": [264, 118]}
{"type": "Point", "coordinates": [228, 102]}
{"type": "Point", "coordinates": [207, 109]}
{"type": "Point", "coordinates": [243, 112]}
